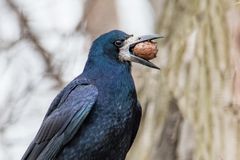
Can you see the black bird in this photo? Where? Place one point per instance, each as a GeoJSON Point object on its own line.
{"type": "Point", "coordinates": [96, 116]}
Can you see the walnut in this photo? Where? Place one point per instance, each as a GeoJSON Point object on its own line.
{"type": "Point", "coordinates": [147, 50]}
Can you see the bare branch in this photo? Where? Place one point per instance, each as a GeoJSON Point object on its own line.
{"type": "Point", "coordinates": [28, 34]}
{"type": "Point", "coordinates": [8, 45]}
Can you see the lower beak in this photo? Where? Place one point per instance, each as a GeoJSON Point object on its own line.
{"type": "Point", "coordinates": [126, 54]}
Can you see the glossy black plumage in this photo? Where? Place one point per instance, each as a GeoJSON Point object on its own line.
{"type": "Point", "coordinates": [96, 116]}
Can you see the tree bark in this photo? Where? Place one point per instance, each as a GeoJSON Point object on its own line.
{"type": "Point", "coordinates": [200, 69]}
{"type": "Point", "coordinates": [167, 147]}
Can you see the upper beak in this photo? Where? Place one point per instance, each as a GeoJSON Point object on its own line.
{"type": "Point", "coordinates": [126, 54]}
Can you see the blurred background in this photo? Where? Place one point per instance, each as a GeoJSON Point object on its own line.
{"type": "Point", "coordinates": [191, 107]}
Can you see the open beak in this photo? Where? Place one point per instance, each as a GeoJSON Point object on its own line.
{"type": "Point", "coordinates": [126, 53]}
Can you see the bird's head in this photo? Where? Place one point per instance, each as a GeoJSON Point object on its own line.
{"type": "Point", "coordinates": [117, 46]}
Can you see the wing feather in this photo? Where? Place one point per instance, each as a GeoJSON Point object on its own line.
{"type": "Point", "coordinates": [62, 122]}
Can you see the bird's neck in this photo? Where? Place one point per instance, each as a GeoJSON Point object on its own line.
{"type": "Point", "coordinates": [100, 67]}
{"type": "Point", "coordinates": [111, 78]}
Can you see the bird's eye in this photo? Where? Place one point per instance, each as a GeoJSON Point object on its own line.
{"type": "Point", "coordinates": [118, 43]}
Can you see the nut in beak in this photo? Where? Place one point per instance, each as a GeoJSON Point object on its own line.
{"type": "Point", "coordinates": [140, 50]}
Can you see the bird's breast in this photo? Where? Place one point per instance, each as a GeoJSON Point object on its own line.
{"type": "Point", "coordinates": [115, 102]}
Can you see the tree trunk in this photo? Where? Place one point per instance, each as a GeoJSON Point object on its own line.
{"type": "Point", "coordinates": [199, 69]}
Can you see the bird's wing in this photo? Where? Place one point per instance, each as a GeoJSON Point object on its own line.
{"type": "Point", "coordinates": [61, 124]}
